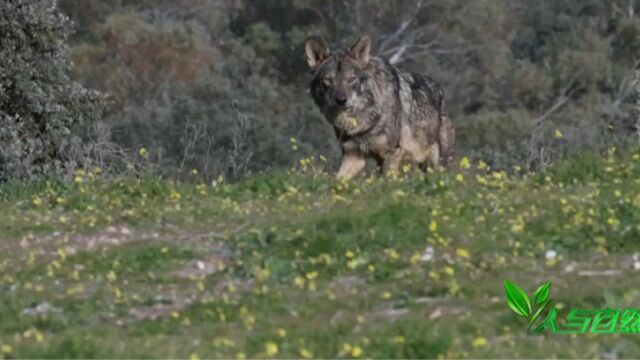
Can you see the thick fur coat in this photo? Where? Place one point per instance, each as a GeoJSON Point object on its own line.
{"type": "Point", "coordinates": [378, 110]}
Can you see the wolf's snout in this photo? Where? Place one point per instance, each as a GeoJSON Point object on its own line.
{"type": "Point", "coordinates": [341, 99]}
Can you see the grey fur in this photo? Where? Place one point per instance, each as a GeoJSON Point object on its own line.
{"type": "Point", "coordinates": [379, 110]}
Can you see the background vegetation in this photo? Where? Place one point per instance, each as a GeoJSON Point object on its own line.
{"type": "Point", "coordinates": [220, 86]}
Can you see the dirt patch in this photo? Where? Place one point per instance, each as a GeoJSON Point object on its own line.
{"type": "Point", "coordinates": [156, 311]}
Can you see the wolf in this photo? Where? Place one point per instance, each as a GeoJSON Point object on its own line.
{"type": "Point", "coordinates": [379, 110]}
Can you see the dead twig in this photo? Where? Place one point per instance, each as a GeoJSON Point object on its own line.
{"type": "Point", "coordinates": [536, 156]}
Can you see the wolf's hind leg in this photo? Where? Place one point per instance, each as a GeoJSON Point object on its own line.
{"type": "Point", "coordinates": [446, 139]}
{"type": "Point", "coordinates": [434, 155]}
{"type": "Point", "coordinates": [433, 160]}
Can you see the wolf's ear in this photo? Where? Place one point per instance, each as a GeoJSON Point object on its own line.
{"type": "Point", "coordinates": [361, 50]}
{"type": "Point", "coordinates": [316, 50]}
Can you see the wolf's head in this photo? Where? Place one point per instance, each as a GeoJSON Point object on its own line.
{"type": "Point", "coordinates": [340, 82]}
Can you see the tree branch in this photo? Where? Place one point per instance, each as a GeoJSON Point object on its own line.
{"type": "Point", "coordinates": [558, 103]}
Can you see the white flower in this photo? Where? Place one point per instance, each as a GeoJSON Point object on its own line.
{"type": "Point", "coordinates": [636, 261]}
{"type": "Point", "coordinates": [550, 254]}
{"type": "Point", "coordinates": [427, 255]}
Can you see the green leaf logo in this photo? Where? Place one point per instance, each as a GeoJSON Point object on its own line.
{"type": "Point", "coordinates": [517, 299]}
{"type": "Point", "coordinates": [542, 294]}
{"type": "Point", "coordinates": [543, 307]}
{"type": "Point", "coordinates": [520, 303]}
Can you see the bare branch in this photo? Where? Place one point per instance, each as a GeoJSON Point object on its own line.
{"type": "Point", "coordinates": [625, 88]}
{"type": "Point", "coordinates": [558, 103]}
{"type": "Point", "coordinates": [637, 107]}
{"type": "Point", "coordinates": [241, 152]}
{"type": "Point", "coordinates": [397, 56]}
{"type": "Point", "coordinates": [396, 52]}
{"type": "Point", "coordinates": [536, 157]}
{"type": "Point", "coordinates": [193, 132]}
{"type": "Point", "coordinates": [395, 36]}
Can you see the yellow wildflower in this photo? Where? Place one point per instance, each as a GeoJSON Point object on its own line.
{"type": "Point", "coordinates": [465, 163]}
{"type": "Point", "coordinates": [356, 351]}
{"type": "Point", "coordinates": [433, 226]}
{"type": "Point", "coordinates": [271, 348]}
{"type": "Point", "coordinates": [462, 252]}
{"type": "Point", "coordinates": [558, 134]}
{"type": "Point", "coordinates": [306, 354]}
{"type": "Point", "coordinates": [479, 342]}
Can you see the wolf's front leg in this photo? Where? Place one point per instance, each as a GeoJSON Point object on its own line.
{"type": "Point", "coordinates": [352, 165]}
{"type": "Point", "coordinates": [393, 162]}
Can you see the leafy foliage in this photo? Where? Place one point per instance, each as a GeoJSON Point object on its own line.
{"type": "Point", "coordinates": [40, 106]}
{"type": "Point", "coordinates": [516, 74]}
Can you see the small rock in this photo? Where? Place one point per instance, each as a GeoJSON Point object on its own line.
{"type": "Point", "coordinates": [550, 254]}
{"type": "Point", "coordinates": [42, 309]}
{"type": "Point", "coordinates": [610, 272]}
{"type": "Point", "coordinates": [571, 267]}
{"type": "Point", "coordinates": [436, 314]}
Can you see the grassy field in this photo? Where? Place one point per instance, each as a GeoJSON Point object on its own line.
{"type": "Point", "coordinates": [296, 264]}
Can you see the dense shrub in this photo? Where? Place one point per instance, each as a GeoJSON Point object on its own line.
{"type": "Point", "coordinates": [40, 106]}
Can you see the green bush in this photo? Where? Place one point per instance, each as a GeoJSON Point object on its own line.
{"type": "Point", "coordinates": [40, 106]}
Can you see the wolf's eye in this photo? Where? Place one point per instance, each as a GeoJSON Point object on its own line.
{"type": "Point", "coordinates": [351, 79]}
{"type": "Point", "coordinates": [327, 81]}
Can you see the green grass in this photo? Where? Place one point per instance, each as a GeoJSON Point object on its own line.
{"type": "Point", "coordinates": [294, 264]}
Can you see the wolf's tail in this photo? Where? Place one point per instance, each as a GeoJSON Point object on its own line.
{"type": "Point", "coordinates": [447, 136]}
